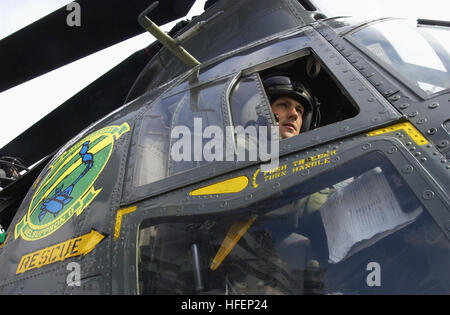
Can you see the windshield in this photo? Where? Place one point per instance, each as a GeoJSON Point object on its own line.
{"type": "Point", "coordinates": [419, 53]}
{"type": "Point", "coordinates": [363, 233]}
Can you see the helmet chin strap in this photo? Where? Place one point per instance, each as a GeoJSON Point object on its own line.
{"type": "Point", "coordinates": [311, 119]}
{"type": "Point", "coordinates": [306, 122]}
{"type": "Point", "coordinates": [277, 119]}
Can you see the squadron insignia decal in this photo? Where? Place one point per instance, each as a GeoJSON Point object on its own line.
{"type": "Point", "coordinates": [68, 186]}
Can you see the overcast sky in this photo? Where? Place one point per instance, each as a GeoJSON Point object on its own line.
{"type": "Point", "coordinates": [24, 105]}
{"type": "Point", "coordinates": [432, 9]}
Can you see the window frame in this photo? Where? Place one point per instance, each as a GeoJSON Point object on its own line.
{"type": "Point", "coordinates": [256, 57]}
{"type": "Point", "coordinates": [135, 193]}
{"type": "Point", "coordinates": [166, 211]}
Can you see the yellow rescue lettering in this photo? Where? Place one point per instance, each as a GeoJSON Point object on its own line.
{"type": "Point", "coordinates": [23, 263]}
{"type": "Point", "coordinates": [55, 250]}
{"type": "Point", "coordinates": [74, 247]}
{"type": "Point", "coordinates": [59, 252]}
{"type": "Point", "coordinates": [33, 260]}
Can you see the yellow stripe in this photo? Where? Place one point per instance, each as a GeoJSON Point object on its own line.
{"type": "Point", "coordinates": [228, 186]}
{"type": "Point", "coordinates": [120, 214]}
{"type": "Point", "coordinates": [407, 127]}
{"type": "Point", "coordinates": [237, 230]}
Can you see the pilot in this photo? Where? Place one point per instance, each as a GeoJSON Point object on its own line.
{"type": "Point", "coordinates": [293, 105]}
{"type": "Point", "coordinates": [296, 111]}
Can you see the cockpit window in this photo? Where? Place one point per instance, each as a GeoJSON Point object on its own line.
{"type": "Point", "coordinates": [298, 96]}
{"type": "Point", "coordinates": [173, 133]}
{"type": "Point", "coordinates": [420, 54]}
{"type": "Point", "coordinates": [356, 230]}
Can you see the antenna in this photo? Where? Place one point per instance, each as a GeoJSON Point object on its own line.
{"type": "Point", "coordinates": [433, 22]}
{"type": "Point", "coordinates": [174, 45]}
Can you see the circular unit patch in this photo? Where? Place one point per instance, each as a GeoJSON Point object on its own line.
{"type": "Point", "coordinates": [68, 185]}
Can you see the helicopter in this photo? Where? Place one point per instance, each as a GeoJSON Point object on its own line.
{"type": "Point", "coordinates": [167, 175]}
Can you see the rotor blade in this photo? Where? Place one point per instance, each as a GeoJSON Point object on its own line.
{"type": "Point", "coordinates": [98, 99]}
{"type": "Point", "coordinates": [50, 42]}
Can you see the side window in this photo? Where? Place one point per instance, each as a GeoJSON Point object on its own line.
{"type": "Point", "coordinates": [249, 105]}
{"type": "Point", "coordinates": [173, 133]}
{"type": "Point", "coordinates": [152, 153]}
{"type": "Point", "coordinates": [306, 81]}
{"type": "Point", "coordinates": [255, 135]}
{"type": "Point", "coordinates": [315, 97]}
{"type": "Point", "coordinates": [356, 230]}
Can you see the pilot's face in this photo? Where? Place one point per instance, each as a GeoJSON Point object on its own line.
{"type": "Point", "coordinates": [290, 113]}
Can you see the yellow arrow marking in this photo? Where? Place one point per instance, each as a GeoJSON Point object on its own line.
{"type": "Point", "coordinates": [81, 245]}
